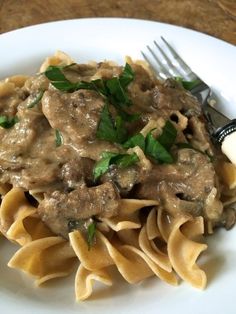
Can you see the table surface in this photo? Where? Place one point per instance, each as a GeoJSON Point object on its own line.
{"type": "Point", "coordinates": [213, 17]}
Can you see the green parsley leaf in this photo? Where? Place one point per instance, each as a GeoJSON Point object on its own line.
{"type": "Point", "coordinates": [156, 150]}
{"type": "Point", "coordinates": [36, 100]}
{"type": "Point", "coordinates": [86, 226]}
{"type": "Point", "coordinates": [117, 94]}
{"type": "Point", "coordinates": [125, 160]}
{"type": "Point", "coordinates": [114, 90]}
{"type": "Point", "coordinates": [109, 158]}
{"type": "Point", "coordinates": [99, 86]}
{"type": "Point", "coordinates": [135, 140]}
{"type": "Point", "coordinates": [91, 231]}
{"type": "Point", "coordinates": [58, 79]}
{"type": "Point", "coordinates": [116, 87]}
{"type": "Point", "coordinates": [168, 135]}
{"type": "Point", "coordinates": [109, 130]}
{"type": "Point", "coordinates": [68, 65]}
{"type": "Point", "coordinates": [184, 145]}
{"type": "Point", "coordinates": [103, 164]}
{"type": "Point", "coordinates": [121, 132]}
{"type": "Point", "coordinates": [127, 116]}
{"type": "Point", "coordinates": [188, 85]}
{"type": "Point", "coordinates": [59, 138]}
{"type": "Point", "coordinates": [54, 73]}
{"type": "Point", "coordinates": [127, 76]}
{"type": "Point", "coordinates": [7, 123]}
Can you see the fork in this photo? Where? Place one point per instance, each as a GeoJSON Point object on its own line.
{"type": "Point", "coordinates": [166, 63]}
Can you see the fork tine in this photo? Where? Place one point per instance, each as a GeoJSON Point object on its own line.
{"type": "Point", "coordinates": [181, 63]}
{"type": "Point", "coordinates": [163, 71]}
{"type": "Point", "coordinates": [172, 69]}
{"type": "Point", "coordinates": [156, 66]}
{"type": "Point", "coordinates": [154, 69]}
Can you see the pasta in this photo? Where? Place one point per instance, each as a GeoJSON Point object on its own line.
{"type": "Point", "coordinates": [103, 167]}
{"type": "Point", "coordinates": [183, 254]}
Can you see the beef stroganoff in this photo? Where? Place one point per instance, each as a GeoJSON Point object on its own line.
{"type": "Point", "coordinates": [103, 166]}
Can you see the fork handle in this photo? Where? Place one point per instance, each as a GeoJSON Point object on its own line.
{"type": "Point", "coordinates": [226, 136]}
{"type": "Point", "coordinates": [228, 147]}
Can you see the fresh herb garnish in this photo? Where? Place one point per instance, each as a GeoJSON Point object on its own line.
{"type": "Point", "coordinates": [135, 140]}
{"type": "Point", "coordinates": [127, 116]}
{"type": "Point", "coordinates": [116, 88]}
{"type": "Point", "coordinates": [189, 85]}
{"type": "Point", "coordinates": [7, 123]}
{"type": "Point", "coordinates": [102, 165]}
{"type": "Point", "coordinates": [168, 135]}
{"type": "Point", "coordinates": [113, 88]}
{"type": "Point", "coordinates": [36, 100]}
{"type": "Point", "coordinates": [109, 158]}
{"type": "Point", "coordinates": [110, 130]}
{"type": "Point", "coordinates": [156, 150]}
{"type": "Point", "coordinates": [68, 65]}
{"type": "Point", "coordinates": [59, 138]}
{"type": "Point", "coordinates": [116, 93]}
{"type": "Point", "coordinates": [126, 160]}
{"type": "Point", "coordinates": [58, 79]}
{"type": "Point", "coordinates": [127, 76]}
{"type": "Point", "coordinates": [86, 226]}
{"type": "Point", "coordinates": [91, 231]}
{"type": "Point", "coordinates": [184, 145]}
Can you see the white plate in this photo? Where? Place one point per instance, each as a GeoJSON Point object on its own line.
{"type": "Point", "coordinates": [22, 51]}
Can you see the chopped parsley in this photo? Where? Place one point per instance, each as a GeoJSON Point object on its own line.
{"type": "Point", "coordinates": [109, 158]}
{"type": "Point", "coordinates": [59, 138]}
{"type": "Point", "coordinates": [168, 135]}
{"type": "Point", "coordinates": [7, 122]}
{"type": "Point", "coordinates": [58, 79]}
{"type": "Point", "coordinates": [127, 76]}
{"type": "Point", "coordinates": [86, 226]}
{"type": "Point", "coordinates": [110, 130]}
{"type": "Point", "coordinates": [188, 85]}
{"type": "Point", "coordinates": [116, 93]}
{"type": "Point", "coordinates": [113, 90]}
{"type": "Point", "coordinates": [91, 232]}
{"type": "Point", "coordinates": [36, 100]}
{"type": "Point", "coordinates": [135, 140]}
{"type": "Point", "coordinates": [184, 145]}
{"type": "Point", "coordinates": [156, 150]}
{"type": "Point", "coordinates": [113, 129]}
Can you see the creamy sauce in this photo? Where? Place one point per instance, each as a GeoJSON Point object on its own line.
{"type": "Point", "coordinates": [30, 158]}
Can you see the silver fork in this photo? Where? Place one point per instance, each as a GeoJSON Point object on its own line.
{"type": "Point", "coordinates": [170, 64]}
